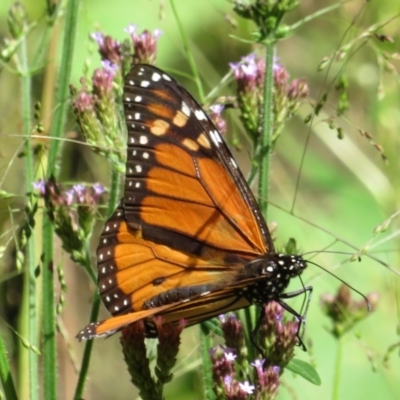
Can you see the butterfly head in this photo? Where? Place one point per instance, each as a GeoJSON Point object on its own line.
{"type": "Point", "coordinates": [271, 275]}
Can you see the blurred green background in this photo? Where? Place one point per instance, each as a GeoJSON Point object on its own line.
{"type": "Point", "coordinates": [345, 188]}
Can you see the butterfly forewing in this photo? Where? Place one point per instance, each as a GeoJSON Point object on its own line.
{"type": "Point", "coordinates": [182, 181]}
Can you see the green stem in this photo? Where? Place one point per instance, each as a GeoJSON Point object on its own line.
{"type": "Point", "coordinates": [264, 147]}
{"type": "Point", "coordinates": [114, 192]}
{"type": "Point", "coordinates": [205, 345]}
{"type": "Point", "coordinates": [48, 307]}
{"type": "Point", "coordinates": [28, 366]}
{"type": "Point", "coordinates": [338, 370]}
{"type": "Point", "coordinates": [249, 319]}
{"type": "Point", "coordinates": [57, 128]}
{"type": "Point", "coordinates": [5, 374]}
{"type": "Point", "coordinates": [186, 48]}
{"type": "Point", "coordinates": [80, 387]}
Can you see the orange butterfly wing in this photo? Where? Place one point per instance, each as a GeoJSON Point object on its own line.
{"type": "Point", "coordinates": [182, 241]}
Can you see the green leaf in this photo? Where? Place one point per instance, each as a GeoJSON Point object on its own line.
{"type": "Point", "coordinates": [304, 369]}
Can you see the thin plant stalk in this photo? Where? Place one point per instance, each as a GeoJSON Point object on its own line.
{"type": "Point", "coordinates": [266, 131]}
{"type": "Point", "coordinates": [28, 359]}
{"type": "Point", "coordinates": [57, 128]}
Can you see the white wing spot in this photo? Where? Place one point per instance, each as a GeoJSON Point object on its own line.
{"type": "Point", "coordinates": [215, 137]}
{"type": "Point", "coordinates": [185, 109]}
{"type": "Point", "coordinates": [132, 140]}
{"type": "Point", "coordinates": [137, 116]}
{"type": "Point", "coordinates": [166, 77]}
{"type": "Point", "coordinates": [144, 83]}
{"type": "Point", "coordinates": [116, 308]}
{"type": "Point", "coordinates": [137, 185]}
{"type": "Point", "coordinates": [155, 77]}
{"type": "Point", "coordinates": [130, 82]}
{"type": "Point", "coordinates": [146, 155]}
{"type": "Point", "coordinates": [200, 115]}
{"type": "Point", "coordinates": [101, 256]}
{"type": "Point", "coordinates": [138, 168]}
{"type": "Point", "coordinates": [138, 99]}
{"type": "Point", "coordinates": [233, 163]}
{"type": "Point", "coordinates": [128, 99]}
{"type": "Point", "coordinates": [143, 139]}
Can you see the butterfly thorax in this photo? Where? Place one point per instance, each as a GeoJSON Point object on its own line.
{"type": "Point", "coordinates": [271, 275]}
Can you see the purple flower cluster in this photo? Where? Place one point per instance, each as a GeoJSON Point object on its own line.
{"type": "Point", "coordinates": [276, 340]}
{"type": "Point", "coordinates": [95, 104]}
{"type": "Point", "coordinates": [249, 76]}
{"type": "Point", "coordinates": [72, 212]}
{"type": "Point", "coordinates": [226, 384]}
{"type": "Point", "coordinates": [144, 44]}
{"type": "Point", "coordinates": [133, 346]}
{"type": "Point", "coordinates": [344, 312]}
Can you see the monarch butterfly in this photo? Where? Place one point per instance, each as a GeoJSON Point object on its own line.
{"type": "Point", "coordinates": [187, 240]}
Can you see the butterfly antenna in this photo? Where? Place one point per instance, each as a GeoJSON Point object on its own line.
{"type": "Point", "coordinates": [345, 283]}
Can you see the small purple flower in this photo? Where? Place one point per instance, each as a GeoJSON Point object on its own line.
{"type": "Point", "coordinates": [98, 189]}
{"type": "Point", "coordinates": [80, 191]}
{"type": "Point", "coordinates": [228, 382]}
{"type": "Point", "coordinates": [230, 356]}
{"type": "Point", "coordinates": [258, 364]}
{"type": "Point", "coordinates": [69, 196]}
{"type": "Point", "coordinates": [40, 186]}
{"type": "Point", "coordinates": [98, 37]}
{"type": "Point", "coordinates": [83, 101]}
{"type": "Point", "coordinates": [217, 108]}
{"type": "Point", "coordinates": [216, 117]}
{"type": "Point", "coordinates": [109, 48]}
{"type": "Point", "coordinates": [249, 71]}
{"type": "Point", "coordinates": [246, 387]}
{"type": "Point", "coordinates": [109, 67]}
{"type": "Point", "coordinates": [103, 78]}
{"type": "Point", "coordinates": [131, 29]}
